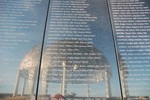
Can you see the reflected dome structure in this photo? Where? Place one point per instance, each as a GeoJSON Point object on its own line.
{"type": "Point", "coordinates": [66, 62]}
{"type": "Point", "coordinates": [84, 63]}
{"type": "Point", "coordinates": [29, 63]}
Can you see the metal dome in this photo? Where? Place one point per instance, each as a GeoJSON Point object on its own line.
{"type": "Point", "coordinates": [30, 63]}
{"type": "Point", "coordinates": [84, 63]}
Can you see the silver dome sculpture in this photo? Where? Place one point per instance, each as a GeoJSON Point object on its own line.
{"type": "Point", "coordinates": [28, 71]}
{"type": "Point", "coordinates": [66, 62]}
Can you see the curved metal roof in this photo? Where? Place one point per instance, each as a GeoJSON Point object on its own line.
{"type": "Point", "coordinates": [83, 61]}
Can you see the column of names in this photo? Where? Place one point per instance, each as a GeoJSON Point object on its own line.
{"type": "Point", "coordinates": [131, 23]}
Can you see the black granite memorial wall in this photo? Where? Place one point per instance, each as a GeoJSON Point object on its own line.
{"type": "Point", "coordinates": [75, 48]}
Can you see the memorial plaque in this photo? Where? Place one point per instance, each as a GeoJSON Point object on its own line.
{"type": "Point", "coordinates": [131, 23]}
{"type": "Point", "coordinates": [21, 29]}
{"type": "Point", "coordinates": [79, 55]}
